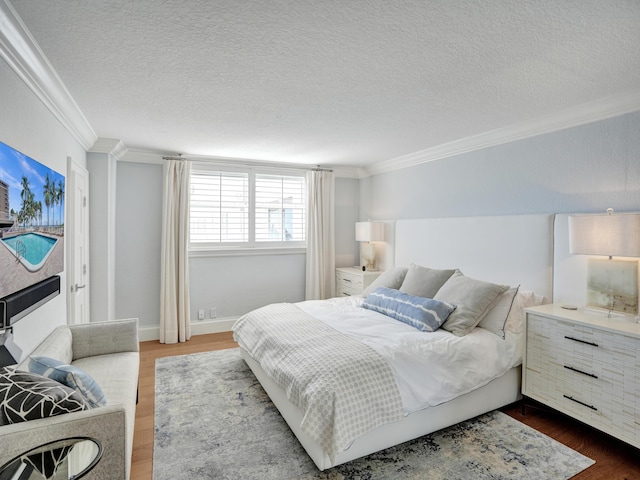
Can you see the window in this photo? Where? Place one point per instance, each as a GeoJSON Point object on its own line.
{"type": "Point", "coordinates": [247, 208]}
{"type": "Point", "coordinates": [219, 207]}
{"type": "Point", "coordinates": [280, 208]}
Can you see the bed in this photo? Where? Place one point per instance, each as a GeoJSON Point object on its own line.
{"type": "Point", "coordinates": [399, 401]}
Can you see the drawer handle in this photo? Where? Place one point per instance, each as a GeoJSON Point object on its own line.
{"type": "Point", "coordinates": [346, 294]}
{"type": "Point", "coordinates": [347, 280]}
{"type": "Point", "coordinates": [582, 341]}
{"type": "Point", "coordinates": [581, 403]}
{"type": "Point", "coordinates": [580, 371]}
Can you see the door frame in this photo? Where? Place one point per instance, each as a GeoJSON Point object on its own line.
{"type": "Point", "coordinates": [76, 172]}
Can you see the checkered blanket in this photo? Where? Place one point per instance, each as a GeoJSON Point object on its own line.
{"type": "Point", "coordinates": [342, 387]}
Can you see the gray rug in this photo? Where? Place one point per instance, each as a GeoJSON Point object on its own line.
{"type": "Point", "coordinates": [214, 420]}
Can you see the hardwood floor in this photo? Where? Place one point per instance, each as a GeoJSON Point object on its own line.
{"type": "Point", "coordinates": [614, 460]}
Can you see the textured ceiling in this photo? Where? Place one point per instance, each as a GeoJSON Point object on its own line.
{"type": "Point", "coordinates": [351, 82]}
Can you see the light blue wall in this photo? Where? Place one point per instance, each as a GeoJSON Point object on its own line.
{"type": "Point", "coordinates": [582, 169]}
{"type": "Point", "coordinates": [138, 241]}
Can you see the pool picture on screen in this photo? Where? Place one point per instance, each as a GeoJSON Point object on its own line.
{"type": "Point", "coordinates": [31, 221]}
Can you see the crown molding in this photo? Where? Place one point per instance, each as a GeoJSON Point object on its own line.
{"type": "Point", "coordinates": [607, 107]}
{"type": "Point", "coordinates": [143, 156]}
{"type": "Point", "coordinates": [21, 52]}
{"type": "Point", "coordinates": [110, 146]}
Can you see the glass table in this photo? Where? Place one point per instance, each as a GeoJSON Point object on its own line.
{"type": "Point", "coordinates": [66, 459]}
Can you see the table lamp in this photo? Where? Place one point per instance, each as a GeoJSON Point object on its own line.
{"type": "Point", "coordinates": [612, 285]}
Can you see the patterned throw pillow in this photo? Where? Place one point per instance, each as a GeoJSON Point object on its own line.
{"type": "Point", "coordinates": [28, 396]}
{"type": "Point", "coordinates": [72, 377]}
{"type": "Point", "coordinates": [47, 461]}
{"type": "Point", "coordinates": [425, 314]}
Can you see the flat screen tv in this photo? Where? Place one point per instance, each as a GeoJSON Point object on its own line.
{"type": "Point", "coordinates": [31, 221]}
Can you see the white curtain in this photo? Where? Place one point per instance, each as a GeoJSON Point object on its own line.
{"type": "Point", "coordinates": [175, 317]}
{"type": "Point", "coordinates": [320, 276]}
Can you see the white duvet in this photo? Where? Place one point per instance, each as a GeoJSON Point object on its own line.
{"type": "Point", "coordinates": [429, 368]}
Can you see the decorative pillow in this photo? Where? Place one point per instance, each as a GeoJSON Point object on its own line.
{"type": "Point", "coordinates": [496, 318]}
{"type": "Point", "coordinates": [524, 299]}
{"type": "Point", "coordinates": [425, 314]}
{"type": "Point", "coordinates": [71, 376]}
{"type": "Point", "coordinates": [474, 298]}
{"type": "Point", "coordinates": [391, 279]}
{"type": "Point", "coordinates": [28, 396]}
{"type": "Point", "coordinates": [423, 281]}
{"type": "Point", "coordinates": [47, 461]}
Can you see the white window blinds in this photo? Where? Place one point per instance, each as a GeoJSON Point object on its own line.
{"type": "Point", "coordinates": [219, 207]}
{"type": "Point", "coordinates": [247, 208]}
{"type": "Point", "coordinates": [280, 208]}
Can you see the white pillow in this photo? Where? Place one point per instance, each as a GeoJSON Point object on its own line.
{"type": "Point", "coordinates": [496, 318]}
{"type": "Point", "coordinates": [523, 300]}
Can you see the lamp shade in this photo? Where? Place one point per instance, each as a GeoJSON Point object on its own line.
{"type": "Point", "coordinates": [369, 231]}
{"type": "Point", "coordinates": [611, 234]}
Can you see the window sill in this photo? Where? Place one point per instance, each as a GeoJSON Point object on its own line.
{"type": "Point", "coordinates": [244, 251]}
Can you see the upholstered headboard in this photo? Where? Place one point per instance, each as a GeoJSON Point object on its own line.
{"type": "Point", "coordinates": [510, 250]}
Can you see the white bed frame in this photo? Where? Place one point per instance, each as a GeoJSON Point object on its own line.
{"type": "Point", "coordinates": [513, 250]}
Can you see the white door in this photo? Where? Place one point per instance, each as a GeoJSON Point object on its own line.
{"type": "Point", "coordinates": [78, 234]}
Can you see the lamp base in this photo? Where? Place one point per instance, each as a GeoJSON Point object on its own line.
{"type": "Point", "coordinates": [368, 256]}
{"type": "Point", "coordinates": [612, 285]}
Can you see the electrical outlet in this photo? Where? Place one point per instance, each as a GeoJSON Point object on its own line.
{"type": "Point", "coordinates": [200, 314]}
{"type": "Point", "coordinates": [213, 313]}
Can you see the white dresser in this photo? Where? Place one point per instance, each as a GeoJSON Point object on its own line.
{"type": "Point", "coordinates": [586, 366]}
{"type": "Point", "coordinates": [352, 280]}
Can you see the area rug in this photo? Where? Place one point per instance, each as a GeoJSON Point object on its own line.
{"type": "Point", "coordinates": [214, 420]}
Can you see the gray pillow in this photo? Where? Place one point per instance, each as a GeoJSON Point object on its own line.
{"type": "Point", "coordinates": [423, 281]}
{"type": "Point", "coordinates": [474, 299]}
{"type": "Point", "coordinates": [392, 278]}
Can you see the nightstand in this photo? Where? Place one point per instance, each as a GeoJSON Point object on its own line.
{"type": "Point", "coordinates": [585, 366]}
{"type": "Point", "coordinates": [353, 281]}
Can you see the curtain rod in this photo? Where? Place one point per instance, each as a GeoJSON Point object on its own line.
{"type": "Point", "coordinates": [317, 168]}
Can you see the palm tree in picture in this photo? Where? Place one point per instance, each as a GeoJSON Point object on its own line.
{"type": "Point", "coordinates": [47, 193]}
{"type": "Point", "coordinates": [27, 198]}
{"type": "Point", "coordinates": [37, 211]}
{"type": "Point", "coordinates": [60, 195]}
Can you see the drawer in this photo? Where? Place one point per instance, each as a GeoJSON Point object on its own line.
{"type": "Point", "coordinates": [350, 278]}
{"type": "Point", "coordinates": [345, 289]}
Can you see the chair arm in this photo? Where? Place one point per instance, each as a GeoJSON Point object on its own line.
{"type": "Point", "coordinates": [105, 424]}
{"type": "Point", "coordinates": [102, 338]}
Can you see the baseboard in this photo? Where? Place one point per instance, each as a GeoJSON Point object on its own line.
{"type": "Point", "coordinates": [198, 327]}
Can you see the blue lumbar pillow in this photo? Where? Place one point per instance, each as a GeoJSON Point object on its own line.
{"type": "Point", "coordinates": [425, 314]}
